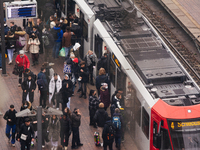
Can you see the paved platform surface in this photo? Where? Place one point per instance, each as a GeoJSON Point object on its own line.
{"type": "Point", "coordinates": [186, 12]}
{"type": "Point", "coordinates": [10, 93]}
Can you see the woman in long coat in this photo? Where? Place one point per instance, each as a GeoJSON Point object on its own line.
{"type": "Point", "coordinates": [28, 87]}
{"type": "Point", "coordinates": [54, 130]}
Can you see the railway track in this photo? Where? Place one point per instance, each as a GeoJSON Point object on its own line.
{"type": "Point", "coordinates": [187, 59]}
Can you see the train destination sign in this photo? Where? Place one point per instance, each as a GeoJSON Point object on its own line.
{"type": "Point", "coordinates": [181, 125]}
{"type": "Point", "coordinates": [116, 61]}
{"type": "Point", "coordinates": [21, 10]}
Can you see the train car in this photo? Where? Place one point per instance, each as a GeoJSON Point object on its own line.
{"type": "Point", "coordinates": [161, 100]}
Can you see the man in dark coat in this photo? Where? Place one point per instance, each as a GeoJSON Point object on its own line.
{"type": "Point", "coordinates": [76, 122]}
{"type": "Point", "coordinates": [26, 135]}
{"type": "Point", "coordinates": [43, 87]}
{"type": "Point", "coordinates": [10, 116]}
{"type": "Point", "coordinates": [101, 78]}
{"type": "Point", "coordinates": [65, 129]}
{"type": "Point", "coordinates": [83, 78]}
{"type": "Point", "coordinates": [103, 62]}
{"type": "Point", "coordinates": [29, 72]}
{"type": "Point", "coordinates": [28, 87]}
{"type": "Point", "coordinates": [105, 95]}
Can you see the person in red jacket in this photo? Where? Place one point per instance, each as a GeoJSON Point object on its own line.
{"type": "Point", "coordinates": [23, 63]}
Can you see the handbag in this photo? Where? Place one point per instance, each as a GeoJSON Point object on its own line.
{"type": "Point", "coordinates": [67, 68]}
{"type": "Point", "coordinates": [58, 97]}
{"type": "Point", "coordinates": [62, 52]}
{"type": "Point", "coordinates": [16, 70]}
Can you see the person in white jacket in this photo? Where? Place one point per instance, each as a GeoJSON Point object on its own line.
{"type": "Point", "coordinates": [34, 48]}
{"type": "Point", "coordinates": [55, 85]}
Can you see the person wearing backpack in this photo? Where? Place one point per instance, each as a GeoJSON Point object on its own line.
{"type": "Point", "coordinates": [108, 135]}
{"type": "Point", "coordinates": [43, 87]}
{"type": "Point", "coordinates": [20, 39]}
{"type": "Point", "coordinates": [57, 34]}
{"type": "Point", "coordinates": [117, 121]}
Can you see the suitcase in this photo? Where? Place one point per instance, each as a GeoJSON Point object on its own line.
{"type": "Point", "coordinates": [96, 139]}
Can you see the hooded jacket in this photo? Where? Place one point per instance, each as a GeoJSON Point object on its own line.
{"type": "Point", "coordinates": [23, 61]}
{"type": "Point", "coordinates": [52, 85]}
{"type": "Point", "coordinates": [76, 120]}
{"type": "Point", "coordinates": [100, 117]}
{"type": "Point", "coordinates": [10, 115]}
{"type": "Point", "coordinates": [59, 34]}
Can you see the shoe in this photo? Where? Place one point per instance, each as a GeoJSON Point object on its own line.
{"type": "Point", "coordinates": [80, 96]}
{"type": "Point", "coordinates": [102, 144]}
{"type": "Point", "coordinates": [43, 146]}
{"type": "Point", "coordinates": [33, 64]}
{"type": "Point", "coordinates": [84, 96]}
{"type": "Point", "coordinates": [74, 147]}
{"type": "Point", "coordinates": [57, 108]}
{"type": "Point", "coordinates": [13, 145]}
{"type": "Point", "coordinates": [80, 144]}
{"type": "Point", "coordinates": [10, 62]}
{"type": "Point", "coordinates": [54, 106]}
{"type": "Point", "coordinates": [65, 147]}
{"type": "Point", "coordinates": [78, 90]}
{"type": "Point", "coordinates": [19, 85]}
{"type": "Point", "coordinates": [32, 144]}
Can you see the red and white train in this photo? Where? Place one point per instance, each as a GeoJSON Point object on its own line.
{"type": "Point", "coordinates": [161, 99]}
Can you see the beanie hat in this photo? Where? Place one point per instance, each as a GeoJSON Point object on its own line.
{"type": "Point", "coordinates": [75, 60]}
{"type": "Point", "coordinates": [21, 52]}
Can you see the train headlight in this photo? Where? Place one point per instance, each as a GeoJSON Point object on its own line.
{"type": "Point", "coordinates": [189, 111]}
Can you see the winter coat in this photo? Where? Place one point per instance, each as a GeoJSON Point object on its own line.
{"type": "Point", "coordinates": [17, 35]}
{"type": "Point", "coordinates": [76, 120]}
{"type": "Point", "coordinates": [13, 28]}
{"type": "Point", "coordinates": [101, 79]}
{"type": "Point", "coordinates": [26, 130]}
{"type": "Point", "coordinates": [65, 126]}
{"type": "Point", "coordinates": [68, 90]}
{"type": "Point", "coordinates": [54, 129]}
{"type": "Point", "coordinates": [10, 115]}
{"type": "Point", "coordinates": [84, 74]}
{"type": "Point", "coordinates": [51, 40]}
{"type": "Point", "coordinates": [118, 131]}
{"type": "Point", "coordinates": [116, 102]}
{"type": "Point", "coordinates": [23, 61]}
{"type": "Point", "coordinates": [34, 45]}
{"type": "Point", "coordinates": [10, 42]}
{"type": "Point", "coordinates": [91, 60]}
{"type": "Point", "coordinates": [52, 85]}
{"type": "Point", "coordinates": [25, 86]}
{"type": "Point", "coordinates": [75, 69]}
{"type": "Point", "coordinates": [66, 39]}
{"type": "Point", "coordinates": [93, 103]}
{"type": "Point", "coordinates": [42, 76]}
{"type": "Point", "coordinates": [28, 107]}
{"type": "Point", "coordinates": [100, 117]}
{"type": "Point", "coordinates": [105, 96]}
{"type": "Point", "coordinates": [60, 34]}
{"type": "Point", "coordinates": [102, 63]}
{"type": "Point", "coordinates": [33, 76]}
{"type": "Point", "coordinates": [106, 131]}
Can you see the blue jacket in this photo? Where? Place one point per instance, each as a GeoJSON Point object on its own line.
{"type": "Point", "coordinates": [42, 76]}
{"type": "Point", "coordinates": [60, 34]}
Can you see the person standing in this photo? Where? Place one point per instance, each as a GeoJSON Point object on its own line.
{"type": "Point", "coordinates": [26, 135]}
{"type": "Point", "coordinates": [93, 106]}
{"type": "Point", "coordinates": [65, 130]}
{"type": "Point", "coordinates": [83, 78]}
{"type": "Point", "coordinates": [67, 92]}
{"type": "Point", "coordinates": [28, 87]}
{"type": "Point", "coordinates": [10, 116]}
{"type": "Point", "coordinates": [91, 60]}
{"type": "Point", "coordinates": [54, 87]}
{"type": "Point", "coordinates": [23, 63]}
{"type": "Point", "coordinates": [100, 79]}
{"type": "Point", "coordinates": [20, 39]}
{"type": "Point", "coordinates": [34, 43]}
{"type": "Point", "coordinates": [105, 95]}
{"type": "Point", "coordinates": [13, 27]}
{"type": "Point", "coordinates": [43, 87]}
{"type": "Point", "coordinates": [66, 41]}
{"type": "Point", "coordinates": [10, 45]}
{"type": "Point", "coordinates": [54, 130]}
{"type": "Point", "coordinates": [103, 62]}
{"type": "Point", "coordinates": [40, 28]}
{"type": "Point", "coordinates": [76, 122]}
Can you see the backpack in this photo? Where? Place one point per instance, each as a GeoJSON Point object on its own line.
{"type": "Point", "coordinates": [55, 33]}
{"type": "Point", "coordinates": [110, 133]}
{"type": "Point", "coordinates": [116, 121]}
{"type": "Point", "coordinates": [45, 39]}
{"type": "Point", "coordinates": [40, 83]}
{"type": "Point", "coordinates": [22, 41]}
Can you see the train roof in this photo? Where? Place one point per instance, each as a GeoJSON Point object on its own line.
{"type": "Point", "coordinates": [159, 70]}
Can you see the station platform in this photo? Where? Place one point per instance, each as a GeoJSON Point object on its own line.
{"type": "Point", "coordinates": [186, 13]}
{"type": "Point", "coordinates": [10, 93]}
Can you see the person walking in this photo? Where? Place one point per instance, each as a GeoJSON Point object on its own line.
{"type": "Point", "coordinates": [76, 122]}
{"type": "Point", "coordinates": [43, 87]}
{"type": "Point", "coordinates": [67, 91]}
{"type": "Point", "coordinates": [83, 78]}
{"type": "Point", "coordinates": [10, 116]}
{"type": "Point", "coordinates": [34, 48]}
{"type": "Point", "coordinates": [115, 103]}
{"type": "Point", "coordinates": [28, 87]}
{"type": "Point", "coordinates": [93, 106]}
{"type": "Point", "coordinates": [26, 135]}
{"type": "Point", "coordinates": [65, 130]}
{"type": "Point", "coordinates": [54, 87]}
{"type": "Point", "coordinates": [23, 63]}
{"type": "Point", "coordinates": [91, 60]}
{"type": "Point", "coordinates": [54, 130]}
{"type": "Point", "coordinates": [10, 45]}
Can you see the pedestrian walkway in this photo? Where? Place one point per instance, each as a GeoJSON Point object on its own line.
{"type": "Point", "coordinates": [186, 13]}
{"type": "Point", "coordinates": [10, 93]}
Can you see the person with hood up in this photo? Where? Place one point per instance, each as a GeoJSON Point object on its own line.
{"type": "Point", "coordinates": [54, 87]}
{"type": "Point", "coordinates": [28, 87]}
{"type": "Point", "coordinates": [65, 130]}
{"type": "Point", "coordinates": [101, 78]}
{"type": "Point", "coordinates": [100, 117]}
{"type": "Point", "coordinates": [75, 73]}
{"type": "Point", "coordinates": [54, 131]}
{"type": "Point", "coordinates": [93, 106]}
{"type": "Point", "coordinates": [105, 95]}
{"type": "Point", "coordinates": [19, 34]}
{"type": "Point", "coordinates": [75, 49]}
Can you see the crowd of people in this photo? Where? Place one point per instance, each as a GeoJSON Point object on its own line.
{"type": "Point", "coordinates": [49, 34]}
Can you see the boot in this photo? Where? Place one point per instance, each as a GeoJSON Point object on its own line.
{"type": "Point", "coordinates": [65, 147]}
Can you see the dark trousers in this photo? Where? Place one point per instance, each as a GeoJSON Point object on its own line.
{"type": "Point", "coordinates": [83, 88]}
{"type": "Point", "coordinates": [55, 101]}
{"type": "Point", "coordinates": [105, 144]}
{"type": "Point", "coordinates": [27, 144]}
{"type": "Point", "coordinates": [8, 128]}
{"type": "Point", "coordinates": [64, 139]}
{"type": "Point", "coordinates": [35, 57]}
{"type": "Point", "coordinates": [43, 98]}
{"type": "Point", "coordinates": [64, 105]}
{"type": "Point", "coordinates": [20, 77]}
{"type": "Point", "coordinates": [92, 113]}
{"type": "Point", "coordinates": [91, 73]}
{"type": "Point", "coordinates": [76, 137]}
{"type": "Point", "coordinates": [118, 141]}
{"type": "Point", "coordinates": [44, 136]}
{"type": "Point", "coordinates": [41, 46]}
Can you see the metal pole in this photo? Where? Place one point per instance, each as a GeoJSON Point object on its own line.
{"type": "Point", "coordinates": [2, 39]}
{"type": "Point", "coordinates": [39, 127]}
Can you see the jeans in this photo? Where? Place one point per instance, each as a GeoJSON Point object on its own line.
{"type": "Point", "coordinates": [118, 141]}
{"type": "Point", "coordinates": [76, 137]}
{"type": "Point", "coordinates": [56, 49]}
{"type": "Point", "coordinates": [8, 128]}
{"type": "Point", "coordinates": [67, 50]}
{"type": "Point", "coordinates": [10, 54]}
{"type": "Point", "coordinates": [79, 84]}
{"type": "Point", "coordinates": [68, 104]}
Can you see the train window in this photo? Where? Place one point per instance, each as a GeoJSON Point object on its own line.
{"type": "Point", "coordinates": [165, 141]}
{"type": "Point", "coordinates": [112, 72]}
{"type": "Point", "coordinates": [137, 111]}
{"type": "Point", "coordinates": [85, 30]}
{"type": "Point", "coordinates": [98, 46]}
{"type": "Point", "coordinates": [145, 122]}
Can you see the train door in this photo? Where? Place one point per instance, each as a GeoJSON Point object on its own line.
{"type": "Point", "coordinates": [98, 46]}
